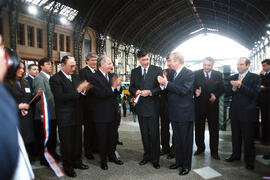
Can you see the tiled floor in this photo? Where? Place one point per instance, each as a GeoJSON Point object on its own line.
{"type": "Point", "coordinates": [203, 166]}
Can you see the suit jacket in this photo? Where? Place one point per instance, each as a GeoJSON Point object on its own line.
{"type": "Point", "coordinates": [67, 99]}
{"type": "Point", "coordinates": [147, 106]}
{"type": "Point", "coordinates": [244, 99]}
{"type": "Point", "coordinates": [86, 74]}
{"type": "Point", "coordinates": [30, 81]}
{"type": "Point", "coordinates": [180, 96]}
{"type": "Point", "coordinates": [42, 82]}
{"type": "Point", "coordinates": [104, 99]}
{"type": "Point", "coordinates": [215, 86]}
{"type": "Point", "coordinates": [23, 94]}
{"type": "Point", "coordinates": [8, 134]}
{"type": "Point", "coordinates": [265, 95]}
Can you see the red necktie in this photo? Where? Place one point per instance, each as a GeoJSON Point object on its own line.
{"type": "Point", "coordinates": [207, 78]}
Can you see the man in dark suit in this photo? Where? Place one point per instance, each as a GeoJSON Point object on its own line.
{"type": "Point", "coordinates": [244, 89]}
{"type": "Point", "coordinates": [164, 118]}
{"type": "Point", "coordinates": [90, 137]}
{"type": "Point", "coordinates": [144, 82]}
{"type": "Point", "coordinates": [9, 151]}
{"type": "Point", "coordinates": [67, 89]}
{"type": "Point", "coordinates": [105, 110]}
{"type": "Point", "coordinates": [32, 73]}
{"type": "Point", "coordinates": [265, 102]}
{"type": "Point", "coordinates": [208, 87]}
{"type": "Point", "coordinates": [41, 81]}
{"type": "Point", "coordinates": [181, 110]}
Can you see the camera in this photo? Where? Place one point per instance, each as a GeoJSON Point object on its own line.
{"type": "Point", "coordinates": [12, 61]}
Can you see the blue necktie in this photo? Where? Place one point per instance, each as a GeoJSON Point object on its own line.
{"type": "Point", "coordinates": [174, 75]}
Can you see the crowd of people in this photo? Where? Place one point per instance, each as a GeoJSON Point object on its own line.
{"type": "Point", "coordinates": [92, 99]}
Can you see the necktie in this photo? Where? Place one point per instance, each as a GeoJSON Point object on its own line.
{"type": "Point", "coordinates": [207, 78]}
{"type": "Point", "coordinates": [144, 73]}
{"type": "Point", "coordinates": [70, 79]}
{"type": "Point", "coordinates": [240, 77]}
{"type": "Point", "coordinates": [174, 75]}
{"type": "Point", "coordinates": [107, 77]}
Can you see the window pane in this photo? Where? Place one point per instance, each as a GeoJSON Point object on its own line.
{"type": "Point", "coordinates": [55, 42]}
{"type": "Point", "coordinates": [68, 43]}
{"type": "Point", "coordinates": [30, 33]}
{"type": "Point", "coordinates": [20, 34]}
{"type": "Point", "coordinates": [62, 42]}
{"type": "Point", "coordinates": [39, 38]}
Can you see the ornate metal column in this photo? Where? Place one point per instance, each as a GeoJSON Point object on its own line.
{"type": "Point", "coordinates": [13, 7]}
{"type": "Point", "coordinates": [100, 41]}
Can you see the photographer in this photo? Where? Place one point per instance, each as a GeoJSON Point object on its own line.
{"type": "Point", "coordinates": [14, 162]}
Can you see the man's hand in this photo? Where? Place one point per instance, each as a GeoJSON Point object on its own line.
{"type": "Point", "coordinates": [263, 88]}
{"type": "Point", "coordinates": [116, 82]}
{"type": "Point", "coordinates": [83, 86]}
{"type": "Point", "coordinates": [236, 83]}
{"type": "Point", "coordinates": [39, 92]}
{"type": "Point", "coordinates": [145, 93]}
{"type": "Point", "coordinates": [23, 106]}
{"type": "Point", "coordinates": [138, 92]}
{"type": "Point", "coordinates": [198, 91]}
{"type": "Point", "coordinates": [3, 65]}
{"type": "Point", "coordinates": [162, 80]}
{"type": "Point", "coordinates": [212, 98]}
{"type": "Point", "coordinates": [262, 72]}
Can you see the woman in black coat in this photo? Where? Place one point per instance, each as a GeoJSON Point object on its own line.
{"type": "Point", "coordinates": [22, 94]}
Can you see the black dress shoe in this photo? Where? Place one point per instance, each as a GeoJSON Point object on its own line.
{"type": "Point", "coordinates": [249, 166]}
{"type": "Point", "coordinates": [170, 156]}
{"type": "Point", "coordinates": [56, 156]}
{"type": "Point", "coordinates": [163, 153]}
{"type": "Point", "coordinates": [174, 166]}
{"type": "Point", "coordinates": [266, 156]}
{"type": "Point", "coordinates": [119, 143]}
{"type": "Point", "coordinates": [116, 161]}
{"type": "Point", "coordinates": [215, 156]}
{"type": "Point", "coordinates": [90, 156]}
{"type": "Point", "coordinates": [198, 152]}
{"type": "Point", "coordinates": [232, 158]}
{"type": "Point", "coordinates": [44, 162]}
{"type": "Point", "coordinates": [70, 172]}
{"type": "Point", "coordinates": [156, 165]}
{"type": "Point", "coordinates": [183, 171]}
{"type": "Point", "coordinates": [143, 162]}
{"type": "Point", "coordinates": [81, 166]}
{"type": "Point", "coordinates": [104, 166]}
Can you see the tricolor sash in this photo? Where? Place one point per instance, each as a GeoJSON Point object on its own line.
{"type": "Point", "coordinates": [46, 117]}
{"type": "Point", "coordinates": [137, 98]}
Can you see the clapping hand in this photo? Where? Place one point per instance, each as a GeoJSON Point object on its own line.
{"type": "Point", "coordinates": [162, 80]}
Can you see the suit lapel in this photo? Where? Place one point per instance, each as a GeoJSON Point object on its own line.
{"type": "Point", "coordinates": [246, 78]}
{"type": "Point", "coordinates": [66, 80]}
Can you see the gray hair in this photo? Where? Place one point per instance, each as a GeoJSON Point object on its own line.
{"type": "Point", "coordinates": [177, 56]}
{"type": "Point", "coordinates": [90, 55]}
{"type": "Point", "coordinates": [209, 59]}
{"type": "Point", "coordinates": [101, 60]}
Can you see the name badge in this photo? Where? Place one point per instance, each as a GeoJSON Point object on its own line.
{"type": "Point", "coordinates": [27, 90]}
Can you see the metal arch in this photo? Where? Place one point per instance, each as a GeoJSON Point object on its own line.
{"type": "Point", "coordinates": [134, 22]}
{"type": "Point", "coordinates": [244, 1]}
{"type": "Point", "coordinates": [179, 40]}
{"type": "Point", "coordinates": [180, 12]}
{"type": "Point", "coordinates": [166, 45]}
{"type": "Point", "coordinates": [221, 12]}
{"type": "Point", "coordinates": [233, 8]}
{"type": "Point", "coordinates": [171, 26]}
{"type": "Point", "coordinates": [116, 15]}
{"type": "Point", "coordinates": [145, 26]}
{"type": "Point", "coordinates": [168, 29]}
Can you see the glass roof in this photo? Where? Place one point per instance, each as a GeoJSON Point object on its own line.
{"type": "Point", "coordinates": [65, 11]}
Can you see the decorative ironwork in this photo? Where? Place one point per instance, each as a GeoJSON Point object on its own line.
{"type": "Point", "coordinates": [13, 7]}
